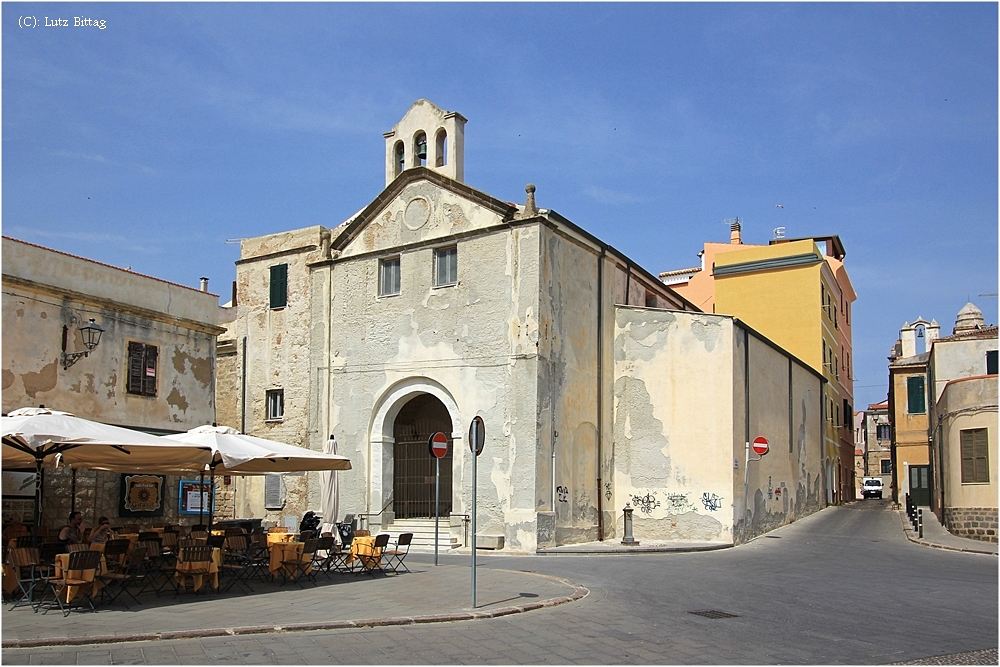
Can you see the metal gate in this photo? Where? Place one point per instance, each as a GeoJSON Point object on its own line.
{"type": "Point", "coordinates": [413, 471]}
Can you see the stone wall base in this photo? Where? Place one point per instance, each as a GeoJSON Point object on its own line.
{"type": "Point", "coordinates": [978, 523]}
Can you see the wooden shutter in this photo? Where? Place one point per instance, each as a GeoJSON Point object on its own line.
{"type": "Point", "coordinates": [975, 455]}
{"type": "Point", "coordinates": [279, 286]}
{"type": "Point", "coordinates": [149, 371]}
{"type": "Point", "coordinates": [273, 492]}
{"type": "Point", "coordinates": [915, 403]}
{"type": "Point", "coordinates": [135, 368]}
{"type": "Point", "coordinates": [991, 362]}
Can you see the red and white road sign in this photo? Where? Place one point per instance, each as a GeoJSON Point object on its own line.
{"type": "Point", "coordinates": [438, 445]}
{"type": "Point", "coordinates": [759, 445]}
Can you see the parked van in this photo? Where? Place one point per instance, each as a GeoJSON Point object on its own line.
{"type": "Point", "coordinates": [871, 487]}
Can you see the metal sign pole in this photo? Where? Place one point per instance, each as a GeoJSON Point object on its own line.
{"type": "Point", "coordinates": [474, 457]}
{"type": "Point", "coordinates": [437, 504]}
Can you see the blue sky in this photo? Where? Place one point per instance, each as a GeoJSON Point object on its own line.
{"type": "Point", "coordinates": [149, 143]}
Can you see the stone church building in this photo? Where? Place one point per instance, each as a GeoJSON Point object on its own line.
{"type": "Point", "coordinates": [598, 384]}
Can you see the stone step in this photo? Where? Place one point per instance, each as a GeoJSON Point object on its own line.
{"type": "Point", "coordinates": [423, 533]}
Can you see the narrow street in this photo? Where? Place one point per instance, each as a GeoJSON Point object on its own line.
{"type": "Point", "coordinates": [841, 586]}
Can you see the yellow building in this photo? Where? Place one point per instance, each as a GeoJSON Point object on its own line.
{"type": "Point", "coordinates": [799, 296]}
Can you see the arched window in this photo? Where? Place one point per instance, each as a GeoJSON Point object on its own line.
{"type": "Point", "coordinates": [441, 144]}
{"type": "Point", "coordinates": [420, 150]}
{"type": "Point", "coordinates": [399, 161]}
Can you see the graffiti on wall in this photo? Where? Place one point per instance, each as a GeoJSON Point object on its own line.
{"type": "Point", "coordinates": [678, 503]}
{"type": "Point", "coordinates": [711, 502]}
{"type": "Point", "coordinates": [647, 503]}
{"type": "Point", "coordinates": [607, 490]}
{"type": "Point", "coordinates": [562, 493]}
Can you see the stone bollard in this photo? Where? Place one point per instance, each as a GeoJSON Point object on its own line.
{"type": "Point", "coordinates": [628, 540]}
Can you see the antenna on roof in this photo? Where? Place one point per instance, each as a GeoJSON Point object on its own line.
{"type": "Point", "coordinates": [779, 232]}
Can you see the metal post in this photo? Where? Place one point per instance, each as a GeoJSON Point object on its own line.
{"type": "Point", "coordinates": [474, 457]}
{"type": "Point", "coordinates": [38, 501]}
{"type": "Point", "coordinates": [746, 493]}
{"type": "Point", "coordinates": [920, 524]}
{"type": "Point", "coordinates": [201, 498]}
{"type": "Point", "coordinates": [437, 504]}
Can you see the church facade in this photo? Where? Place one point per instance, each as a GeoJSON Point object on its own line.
{"type": "Point", "coordinates": [599, 386]}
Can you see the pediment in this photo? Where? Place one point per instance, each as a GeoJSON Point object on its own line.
{"type": "Point", "coordinates": [420, 205]}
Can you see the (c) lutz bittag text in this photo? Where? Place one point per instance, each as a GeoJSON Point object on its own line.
{"type": "Point", "coordinates": [75, 22]}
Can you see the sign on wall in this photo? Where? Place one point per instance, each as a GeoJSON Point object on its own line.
{"type": "Point", "coordinates": [18, 484]}
{"type": "Point", "coordinates": [194, 497]}
{"type": "Point", "coordinates": [142, 495]}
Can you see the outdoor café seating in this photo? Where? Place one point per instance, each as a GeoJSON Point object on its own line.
{"type": "Point", "coordinates": [368, 551]}
{"type": "Point", "coordinates": [75, 577]}
{"type": "Point", "coordinates": [237, 563]}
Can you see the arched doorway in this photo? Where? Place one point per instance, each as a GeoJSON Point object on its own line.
{"type": "Point", "coordinates": [413, 465]}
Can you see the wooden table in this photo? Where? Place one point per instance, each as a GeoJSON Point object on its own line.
{"type": "Point", "coordinates": [70, 592]}
{"type": "Point", "coordinates": [286, 551]}
{"type": "Point", "coordinates": [363, 549]}
{"type": "Point", "coordinates": [182, 572]}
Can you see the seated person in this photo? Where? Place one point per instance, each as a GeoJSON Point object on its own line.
{"type": "Point", "coordinates": [73, 533]}
{"type": "Point", "coordinates": [103, 531]}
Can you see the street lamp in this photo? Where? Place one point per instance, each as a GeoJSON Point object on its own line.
{"type": "Point", "coordinates": [91, 334]}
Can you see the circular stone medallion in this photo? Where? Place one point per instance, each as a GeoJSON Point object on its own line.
{"type": "Point", "coordinates": [417, 213]}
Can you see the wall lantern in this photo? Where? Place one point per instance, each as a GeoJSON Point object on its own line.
{"type": "Point", "coordinates": [91, 333]}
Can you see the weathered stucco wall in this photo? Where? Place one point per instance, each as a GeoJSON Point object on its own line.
{"type": "Point", "coordinates": [785, 398]}
{"type": "Point", "coordinates": [567, 388]}
{"type": "Point", "coordinates": [34, 314]}
{"type": "Point", "coordinates": [673, 424]}
{"type": "Point", "coordinates": [680, 428]}
{"type": "Point", "coordinates": [473, 345]}
{"type": "Point", "coordinates": [278, 345]}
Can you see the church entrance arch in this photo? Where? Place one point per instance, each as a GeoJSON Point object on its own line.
{"type": "Point", "coordinates": [423, 415]}
{"type": "Point", "coordinates": [413, 466]}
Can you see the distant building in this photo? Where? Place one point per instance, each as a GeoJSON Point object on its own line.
{"type": "Point", "coordinates": [153, 368]}
{"type": "Point", "coordinates": [962, 375]}
{"type": "Point", "coordinates": [877, 453]}
{"type": "Point", "coordinates": [799, 296]}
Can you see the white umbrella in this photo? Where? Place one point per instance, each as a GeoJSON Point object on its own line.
{"type": "Point", "coordinates": [239, 454]}
{"type": "Point", "coordinates": [330, 491]}
{"type": "Point", "coordinates": [37, 436]}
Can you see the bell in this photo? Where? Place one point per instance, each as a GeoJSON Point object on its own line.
{"type": "Point", "coordinates": [422, 148]}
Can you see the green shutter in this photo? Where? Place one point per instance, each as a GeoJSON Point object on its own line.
{"type": "Point", "coordinates": [279, 286]}
{"type": "Point", "coordinates": [991, 362]}
{"type": "Point", "coordinates": [915, 399]}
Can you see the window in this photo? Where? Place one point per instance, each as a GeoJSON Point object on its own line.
{"type": "Point", "coordinates": [975, 456]}
{"type": "Point", "coordinates": [388, 276]}
{"type": "Point", "coordinates": [991, 362]}
{"type": "Point", "coordinates": [886, 466]}
{"type": "Point", "coordinates": [445, 266]}
{"type": "Point", "coordinates": [915, 401]}
{"type": "Point", "coordinates": [141, 369]}
{"type": "Point", "coordinates": [441, 144]}
{"type": "Point", "coordinates": [883, 432]}
{"type": "Point", "coordinates": [399, 163]}
{"type": "Point", "coordinates": [274, 492]}
{"type": "Point", "coordinates": [279, 286]}
{"type": "Point", "coordinates": [275, 404]}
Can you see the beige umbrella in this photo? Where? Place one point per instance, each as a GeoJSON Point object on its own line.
{"type": "Point", "coordinates": [239, 454]}
{"type": "Point", "coordinates": [330, 491]}
{"type": "Point", "coordinates": [38, 436]}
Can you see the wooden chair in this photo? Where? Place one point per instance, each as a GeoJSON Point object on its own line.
{"type": "Point", "coordinates": [237, 563]}
{"type": "Point", "coordinates": [26, 564]}
{"type": "Point", "coordinates": [326, 552]}
{"type": "Point", "coordinates": [158, 573]}
{"type": "Point", "coordinates": [397, 554]}
{"type": "Point", "coordinates": [149, 535]}
{"type": "Point", "coordinates": [197, 560]}
{"type": "Point", "coordinates": [115, 551]}
{"type": "Point", "coordinates": [117, 580]}
{"type": "Point", "coordinates": [82, 546]}
{"type": "Point", "coordinates": [23, 541]}
{"type": "Point", "coordinates": [199, 535]}
{"type": "Point", "coordinates": [301, 566]}
{"type": "Point", "coordinates": [83, 561]}
{"type": "Point", "coordinates": [375, 560]}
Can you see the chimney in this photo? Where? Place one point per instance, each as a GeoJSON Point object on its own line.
{"type": "Point", "coordinates": [204, 284]}
{"type": "Point", "coordinates": [734, 233]}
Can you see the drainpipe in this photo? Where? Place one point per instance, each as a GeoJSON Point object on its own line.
{"type": "Point", "coordinates": [600, 390]}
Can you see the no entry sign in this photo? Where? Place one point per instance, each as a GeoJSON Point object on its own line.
{"type": "Point", "coordinates": [759, 445]}
{"type": "Point", "coordinates": [438, 445]}
{"type": "Point", "coordinates": [477, 435]}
